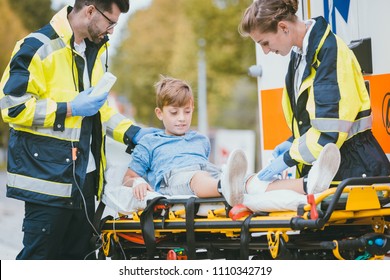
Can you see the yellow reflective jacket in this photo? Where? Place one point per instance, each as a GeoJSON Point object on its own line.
{"type": "Point", "coordinates": [44, 73]}
{"type": "Point", "coordinates": [333, 104]}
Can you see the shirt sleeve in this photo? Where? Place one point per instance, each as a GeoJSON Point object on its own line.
{"type": "Point", "coordinates": [141, 160]}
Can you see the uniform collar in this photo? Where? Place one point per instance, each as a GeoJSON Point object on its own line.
{"type": "Point", "coordinates": [60, 24]}
{"type": "Point", "coordinates": [309, 26]}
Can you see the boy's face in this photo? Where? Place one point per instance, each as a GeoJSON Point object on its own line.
{"type": "Point", "coordinates": [176, 120]}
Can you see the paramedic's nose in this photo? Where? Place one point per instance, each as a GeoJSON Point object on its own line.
{"type": "Point", "coordinates": [110, 30]}
{"type": "Point", "coordinates": [266, 49]}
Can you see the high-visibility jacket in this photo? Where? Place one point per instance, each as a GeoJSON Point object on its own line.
{"type": "Point", "coordinates": [333, 104]}
{"type": "Point", "coordinates": [44, 73]}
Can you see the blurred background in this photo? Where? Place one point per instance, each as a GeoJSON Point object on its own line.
{"type": "Point", "coordinates": [192, 40]}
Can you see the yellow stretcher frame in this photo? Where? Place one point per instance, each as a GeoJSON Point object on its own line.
{"type": "Point", "coordinates": [353, 222]}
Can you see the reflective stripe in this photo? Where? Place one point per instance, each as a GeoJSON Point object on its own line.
{"type": "Point", "coordinates": [360, 126]}
{"type": "Point", "coordinates": [9, 101]}
{"type": "Point", "coordinates": [40, 112]}
{"type": "Point", "coordinates": [304, 150]}
{"type": "Point", "coordinates": [39, 185]}
{"type": "Point", "coordinates": [49, 46]}
{"type": "Point", "coordinates": [39, 36]}
{"type": "Point", "coordinates": [343, 126]}
{"type": "Point", "coordinates": [113, 122]}
{"type": "Point", "coordinates": [332, 125]}
{"type": "Point", "coordinates": [72, 134]}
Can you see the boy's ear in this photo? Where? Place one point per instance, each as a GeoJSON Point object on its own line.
{"type": "Point", "coordinates": [158, 113]}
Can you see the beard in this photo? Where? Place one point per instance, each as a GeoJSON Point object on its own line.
{"type": "Point", "coordinates": [95, 35]}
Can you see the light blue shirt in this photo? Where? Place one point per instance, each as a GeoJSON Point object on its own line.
{"type": "Point", "coordinates": [158, 153]}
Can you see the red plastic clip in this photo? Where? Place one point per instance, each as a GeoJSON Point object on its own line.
{"type": "Point", "coordinates": [313, 207]}
{"type": "Point", "coordinates": [239, 211]}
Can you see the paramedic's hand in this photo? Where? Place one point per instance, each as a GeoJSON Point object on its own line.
{"type": "Point", "coordinates": [281, 148]}
{"type": "Point", "coordinates": [274, 168]}
{"type": "Point", "coordinates": [139, 190]}
{"type": "Point", "coordinates": [142, 132]}
{"type": "Point", "coordinates": [85, 105]}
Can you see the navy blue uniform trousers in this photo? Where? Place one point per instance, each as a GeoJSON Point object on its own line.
{"type": "Point", "coordinates": [54, 233]}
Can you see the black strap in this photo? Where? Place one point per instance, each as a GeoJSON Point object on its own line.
{"type": "Point", "coordinates": [245, 236]}
{"type": "Point", "coordinates": [98, 223]}
{"type": "Point", "coordinates": [190, 228]}
{"type": "Point", "coordinates": [147, 227]}
{"type": "Point", "coordinates": [98, 216]}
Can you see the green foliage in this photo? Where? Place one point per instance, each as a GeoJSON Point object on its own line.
{"type": "Point", "coordinates": [163, 39]}
{"type": "Point", "coordinates": [33, 13]}
{"type": "Point", "coordinates": [18, 19]}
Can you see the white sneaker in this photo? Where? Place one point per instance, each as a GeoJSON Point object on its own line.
{"type": "Point", "coordinates": [232, 178]}
{"type": "Point", "coordinates": [324, 169]}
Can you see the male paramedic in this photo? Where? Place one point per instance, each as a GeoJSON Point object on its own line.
{"type": "Point", "coordinates": [56, 152]}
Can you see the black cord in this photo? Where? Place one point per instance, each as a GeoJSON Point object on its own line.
{"type": "Point", "coordinates": [84, 203]}
{"type": "Point", "coordinates": [73, 58]}
{"type": "Point", "coordinates": [297, 61]}
{"type": "Point", "coordinates": [83, 198]}
{"type": "Point", "coordinates": [106, 65]}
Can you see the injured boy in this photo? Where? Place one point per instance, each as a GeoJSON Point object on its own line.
{"type": "Point", "coordinates": [174, 161]}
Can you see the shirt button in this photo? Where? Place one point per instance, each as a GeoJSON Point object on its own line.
{"type": "Point", "coordinates": [59, 126]}
{"type": "Point", "coordinates": [43, 230]}
{"type": "Point", "coordinates": [300, 122]}
{"type": "Point", "coordinates": [35, 154]}
{"type": "Point", "coordinates": [67, 160]}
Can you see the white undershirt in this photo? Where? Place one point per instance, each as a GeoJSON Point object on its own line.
{"type": "Point", "coordinates": [302, 64]}
{"type": "Point", "coordinates": [80, 48]}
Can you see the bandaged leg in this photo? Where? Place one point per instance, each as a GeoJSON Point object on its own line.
{"type": "Point", "coordinates": [258, 198]}
{"type": "Point", "coordinates": [256, 186]}
{"type": "Point", "coordinates": [121, 199]}
{"type": "Point", "coordinates": [279, 200]}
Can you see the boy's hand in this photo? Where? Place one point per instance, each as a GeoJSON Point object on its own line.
{"type": "Point", "coordinates": [137, 183]}
{"type": "Point", "coordinates": [139, 190]}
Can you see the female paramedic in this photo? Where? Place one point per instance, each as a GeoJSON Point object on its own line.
{"type": "Point", "coordinates": [324, 99]}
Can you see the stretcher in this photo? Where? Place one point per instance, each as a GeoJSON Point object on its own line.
{"type": "Point", "coordinates": [349, 221]}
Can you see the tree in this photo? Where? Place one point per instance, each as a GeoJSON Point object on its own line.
{"type": "Point", "coordinates": [154, 47]}
{"type": "Point", "coordinates": [164, 40]}
{"type": "Point", "coordinates": [18, 19]}
{"type": "Point", "coordinates": [33, 13]}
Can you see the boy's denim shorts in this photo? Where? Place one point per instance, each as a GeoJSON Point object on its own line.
{"type": "Point", "coordinates": [177, 181]}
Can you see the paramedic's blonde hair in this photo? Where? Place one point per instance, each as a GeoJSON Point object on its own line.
{"type": "Point", "coordinates": [171, 91]}
{"type": "Point", "coordinates": [264, 16]}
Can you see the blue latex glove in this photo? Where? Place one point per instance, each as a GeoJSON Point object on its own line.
{"type": "Point", "coordinates": [85, 105]}
{"type": "Point", "coordinates": [142, 132]}
{"type": "Point", "coordinates": [281, 148]}
{"type": "Point", "coordinates": [274, 168]}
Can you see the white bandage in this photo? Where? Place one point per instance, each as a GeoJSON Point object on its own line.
{"type": "Point", "coordinates": [137, 181]}
{"type": "Point", "coordinates": [256, 186]}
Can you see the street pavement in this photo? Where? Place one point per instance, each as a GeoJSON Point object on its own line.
{"type": "Point", "coordinates": [11, 219]}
